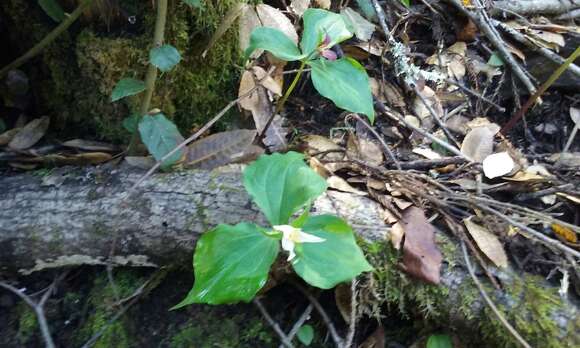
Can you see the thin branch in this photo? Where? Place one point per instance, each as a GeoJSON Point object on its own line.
{"type": "Point", "coordinates": [475, 94]}
{"type": "Point", "coordinates": [386, 148]}
{"type": "Point", "coordinates": [327, 321]}
{"type": "Point", "coordinates": [48, 39]}
{"type": "Point", "coordinates": [298, 324]}
{"type": "Point", "coordinates": [436, 118]}
{"type": "Point", "coordinates": [353, 316]}
{"type": "Point", "coordinates": [285, 341]}
{"type": "Point", "coordinates": [489, 301]}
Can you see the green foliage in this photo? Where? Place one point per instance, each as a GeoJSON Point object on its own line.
{"type": "Point", "coordinates": [127, 87]}
{"type": "Point", "coordinates": [338, 259]}
{"type": "Point", "coordinates": [231, 263]}
{"type": "Point", "coordinates": [131, 123]}
{"type": "Point", "coordinates": [439, 341]}
{"type": "Point", "coordinates": [343, 81]}
{"type": "Point", "coordinates": [407, 3]}
{"type": "Point", "coordinates": [160, 136]}
{"type": "Point", "coordinates": [281, 185]}
{"type": "Point", "coordinates": [193, 3]}
{"type": "Point", "coordinates": [495, 60]}
{"type": "Point", "coordinates": [164, 57]}
{"type": "Point", "coordinates": [305, 334]}
{"type": "Point", "coordinates": [53, 9]}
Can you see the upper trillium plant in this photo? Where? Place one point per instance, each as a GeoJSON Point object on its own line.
{"type": "Point", "coordinates": [344, 80]}
{"type": "Point", "coordinates": [231, 263]}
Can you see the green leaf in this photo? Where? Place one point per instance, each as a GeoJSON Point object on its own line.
{"type": "Point", "coordinates": [280, 184]}
{"type": "Point", "coordinates": [131, 123]}
{"type": "Point", "coordinates": [127, 87]}
{"type": "Point", "coordinates": [333, 261]}
{"type": "Point", "coordinates": [193, 3]}
{"type": "Point", "coordinates": [345, 82]}
{"type": "Point", "coordinates": [407, 3]}
{"type": "Point", "coordinates": [160, 136]}
{"type": "Point", "coordinates": [231, 264]}
{"type": "Point", "coordinates": [319, 23]}
{"type": "Point", "coordinates": [275, 42]}
{"type": "Point", "coordinates": [53, 9]}
{"type": "Point", "coordinates": [305, 334]}
{"type": "Point", "coordinates": [439, 341]}
{"type": "Point", "coordinates": [367, 8]}
{"type": "Point", "coordinates": [164, 57]}
{"type": "Point", "coordinates": [495, 60]}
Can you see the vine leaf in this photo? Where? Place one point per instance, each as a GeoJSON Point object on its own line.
{"type": "Point", "coordinates": [313, 260]}
{"type": "Point", "coordinates": [282, 184]}
{"type": "Point", "coordinates": [52, 9]}
{"type": "Point", "coordinates": [161, 136]}
{"type": "Point", "coordinates": [127, 87]}
{"type": "Point", "coordinates": [164, 57]}
{"type": "Point", "coordinates": [345, 82]}
{"type": "Point", "coordinates": [231, 264]}
{"type": "Point", "coordinates": [218, 149]}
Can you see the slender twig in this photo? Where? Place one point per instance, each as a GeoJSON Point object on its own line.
{"type": "Point", "coordinates": [489, 31]}
{"type": "Point", "coordinates": [384, 145]}
{"type": "Point", "coordinates": [433, 138]}
{"type": "Point", "coordinates": [432, 163]}
{"type": "Point", "coordinates": [353, 316]}
{"type": "Point", "coordinates": [489, 302]}
{"type": "Point", "coordinates": [555, 75]}
{"type": "Point", "coordinates": [283, 338]}
{"type": "Point", "coordinates": [38, 308]}
{"type": "Point", "coordinates": [191, 138]}
{"type": "Point", "coordinates": [475, 94]}
{"type": "Point", "coordinates": [436, 118]}
{"type": "Point", "coordinates": [327, 321]}
{"type": "Point", "coordinates": [48, 39]}
{"type": "Point", "coordinates": [571, 137]}
{"type": "Point", "coordinates": [151, 76]}
{"type": "Point", "coordinates": [298, 324]}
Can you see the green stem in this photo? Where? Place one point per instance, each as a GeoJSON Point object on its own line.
{"type": "Point", "coordinates": [48, 39]}
{"type": "Point", "coordinates": [158, 37]}
{"type": "Point", "coordinates": [291, 88]}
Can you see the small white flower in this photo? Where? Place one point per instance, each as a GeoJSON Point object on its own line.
{"type": "Point", "coordinates": [292, 235]}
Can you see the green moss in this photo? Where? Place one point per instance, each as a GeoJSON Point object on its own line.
{"type": "Point", "coordinates": [78, 71]}
{"type": "Point", "coordinates": [213, 327]}
{"type": "Point", "coordinates": [27, 323]}
{"type": "Point", "coordinates": [102, 302]}
{"type": "Point", "coordinates": [532, 317]}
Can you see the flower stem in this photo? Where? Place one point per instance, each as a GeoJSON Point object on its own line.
{"type": "Point", "coordinates": [291, 88]}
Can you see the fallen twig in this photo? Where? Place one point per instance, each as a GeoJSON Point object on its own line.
{"type": "Point", "coordinates": [488, 300]}
{"type": "Point", "coordinates": [273, 323]}
{"type": "Point", "coordinates": [298, 324]}
{"type": "Point", "coordinates": [384, 145]}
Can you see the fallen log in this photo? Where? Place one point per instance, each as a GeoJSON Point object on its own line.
{"type": "Point", "coordinates": [533, 7]}
{"type": "Point", "coordinates": [83, 216]}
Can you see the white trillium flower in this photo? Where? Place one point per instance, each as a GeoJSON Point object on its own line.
{"type": "Point", "coordinates": [292, 235]}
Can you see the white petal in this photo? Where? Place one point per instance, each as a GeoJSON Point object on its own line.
{"type": "Point", "coordinates": [285, 229]}
{"type": "Point", "coordinates": [309, 238]}
{"type": "Point", "coordinates": [287, 245]}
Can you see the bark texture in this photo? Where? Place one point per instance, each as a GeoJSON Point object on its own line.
{"type": "Point", "coordinates": [533, 7]}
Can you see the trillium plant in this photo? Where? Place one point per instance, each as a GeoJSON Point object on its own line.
{"type": "Point", "coordinates": [231, 263]}
{"type": "Point", "coordinates": [342, 80]}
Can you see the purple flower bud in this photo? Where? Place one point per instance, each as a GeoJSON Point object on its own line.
{"type": "Point", "coordinates": [329, 54]}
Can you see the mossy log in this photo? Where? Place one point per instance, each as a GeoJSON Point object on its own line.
{"type": "Point", "coordinates": [75, 216]}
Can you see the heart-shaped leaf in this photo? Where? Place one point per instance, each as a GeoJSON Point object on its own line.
{"type": "Point", "coordinates": [231, 264]}
{"type": "Point", "coordinates": [346, 83]}
{"type": "Point", "coordinates": [333, 261]}
{"type": "Point", "coordinates": [275, 42]}
{"type": "Point", "coordinates": [126, 87]}
{"type": "Point", "coordinates": [280, 184]}
{"type": "Point", "coordinates": [160, 136]}
{"type": "Point", "coordinates": [319, 24]}
{"type": "Point", "coordinates": [164, 57]}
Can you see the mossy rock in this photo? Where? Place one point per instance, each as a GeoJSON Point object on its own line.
{"type": "Point", "coordinates": [72, 79]}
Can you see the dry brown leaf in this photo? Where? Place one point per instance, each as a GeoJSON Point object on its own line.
{"type": "Point", "coordinates": [342, 297]}
{"type": "Point", "coordinates": [273, 18]}
{"type": "Point", "coordinates": [498, 164]}
{"type": "Point", "coordinates": [396, 235]}
{"type": "Point", "coordinates": [421, 256]}
{"type": "Point", "coordinates": [7, 136]}
{"type": "Point", "coordinates": [401, 203]}
{"type": "Point", "coordinates": [89, 145]}
{"type": "Point", "coordinates": [218, 149]}
{"type": "Point", "coordinates": [572, 198]}
{"type": "Point", "coordinates": [319, 168]}
{"type": "Point", "coordinates": [427, 153]}
{"type": "Point", "coordinates": [340, 184]}
{"type": "Point", "coordinates": [324, 4]}
{"type": "Point", "coordinates": [30, 134]}
{"type": "Point", "coordinates": [364, 150]}
{"type": "Point", "coordinates": [248, 22]}
{"type": "Point", "coordinates": [267, 80]}
{"type": "Point", "coordinates": [299, 6]}
{"type": "Point", "coordinates": [565, 232]}
{"type": "Point", "coordinates": [487, 242]}
{"type": "Point", "coordinates": [478, 144]}
{"type": "Point", "coordinates": [247, 82]}
{"type": "Point", "coordinates": [141, 162]}
{"type": "Point", "coordinates": [421, 110]}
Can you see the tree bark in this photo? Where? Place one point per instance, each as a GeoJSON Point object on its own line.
{"type": "Point", "coordinates": [533, 7]}
{"type": "Point", "coordinates": [78, 216]}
